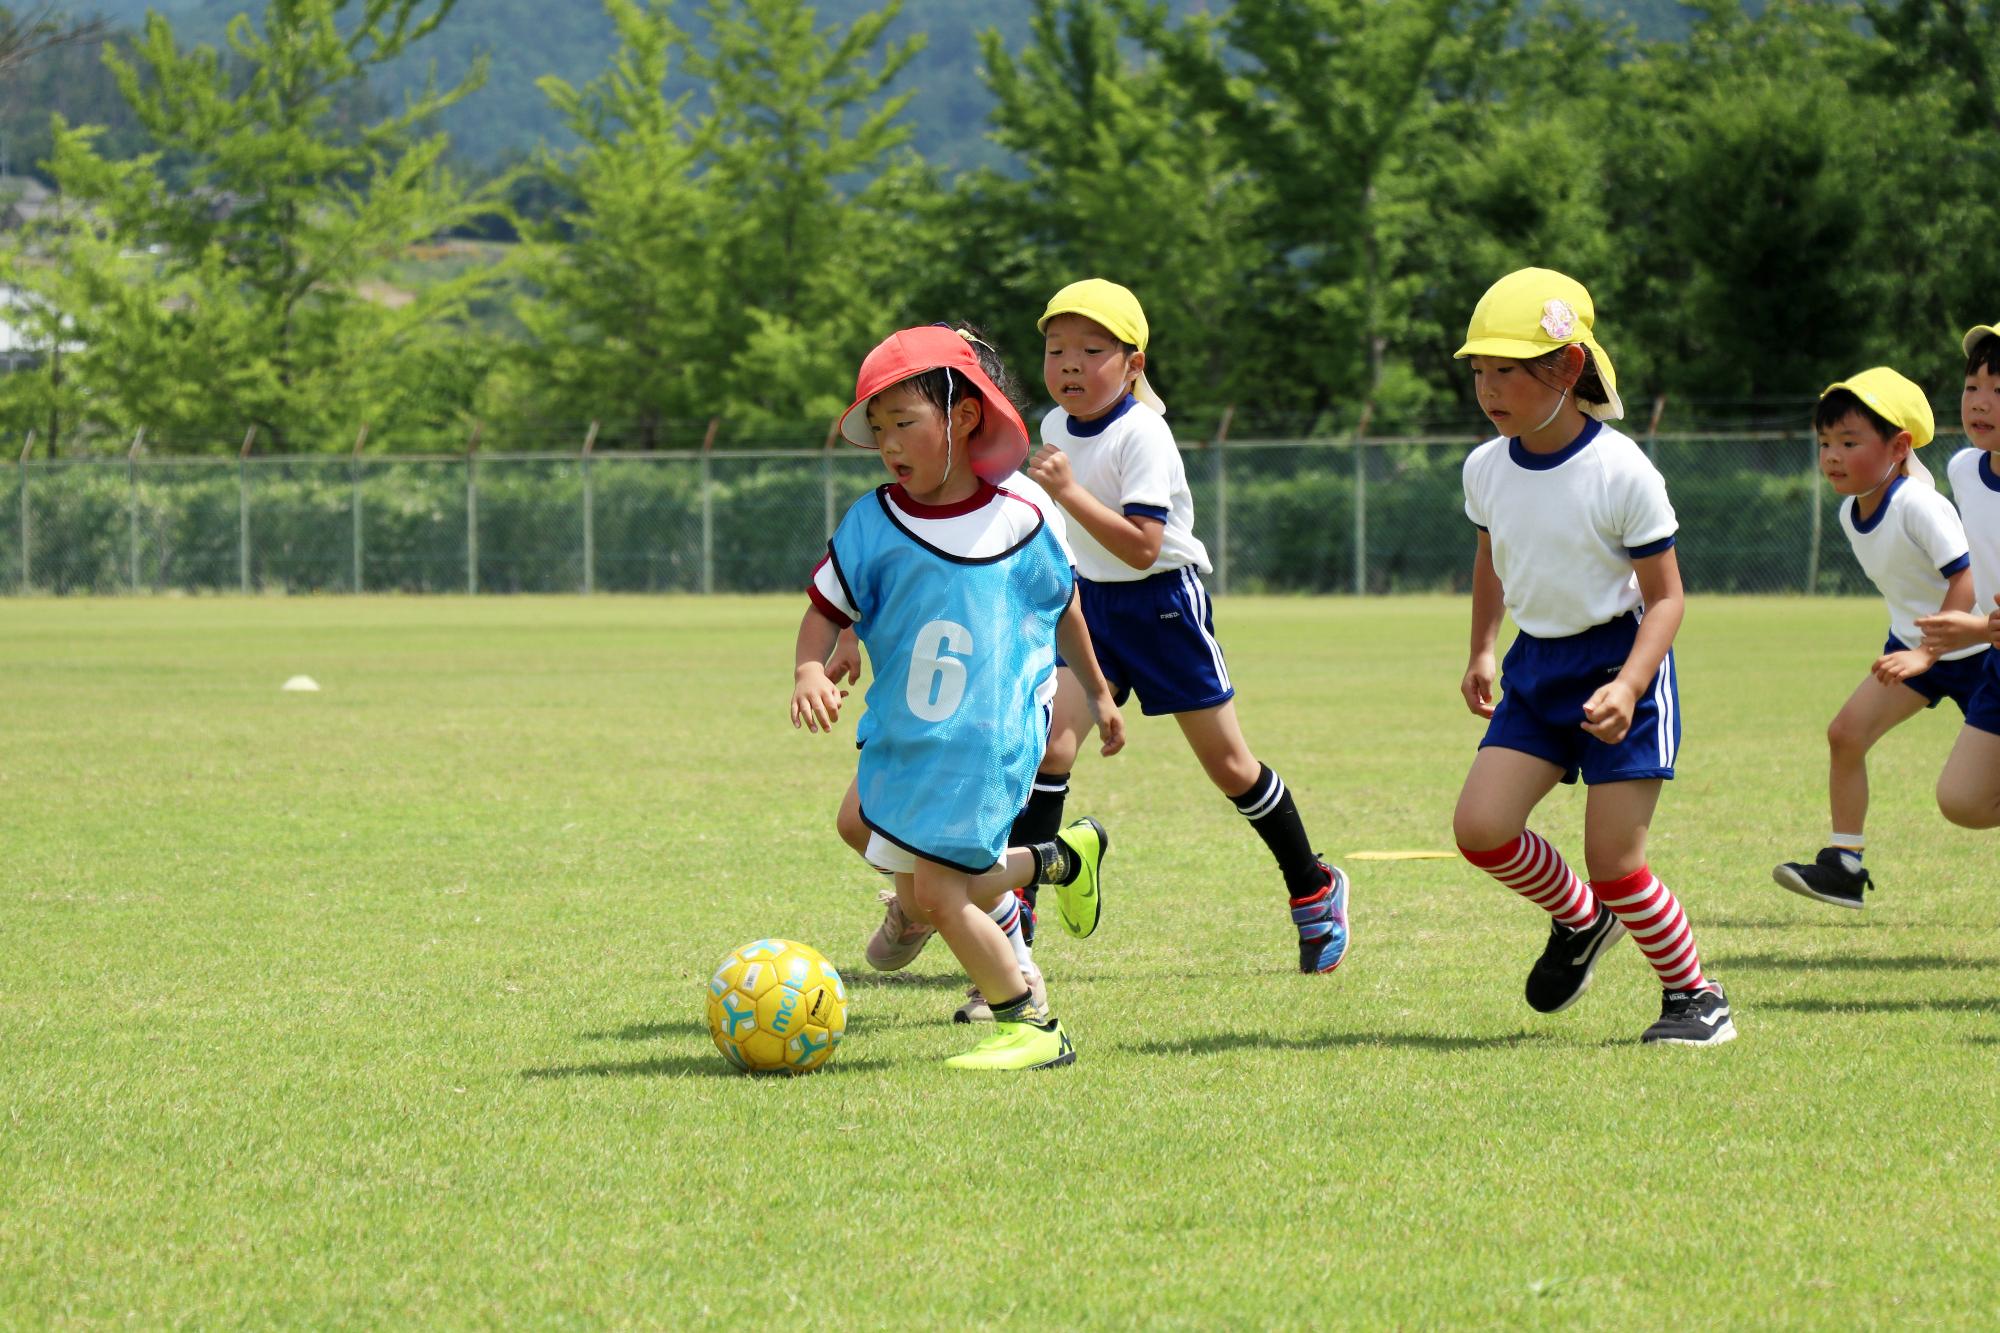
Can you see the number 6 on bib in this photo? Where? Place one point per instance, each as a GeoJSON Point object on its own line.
{"type": "Point", "coordinates": [937, 681]}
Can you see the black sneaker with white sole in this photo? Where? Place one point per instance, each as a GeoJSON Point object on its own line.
{"type": "Point", "coordinates": [1562, 973]}
{"type": "Point", "coordinates": [1692, 1018]}
{"type": "Point", "coordinates": [1827, 879]}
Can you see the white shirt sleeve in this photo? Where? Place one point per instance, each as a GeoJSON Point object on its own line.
{"type": "Point", "coordinates": [826, 587]}
{"type": "Point", "coordinates": [1646, 516]}
{"type": "Point", "coordinates": [1146, 468]}
{"type": "Point", "coordinates": [1475, 502]}
{"type": "Point", "coordinates": [1934, 526]}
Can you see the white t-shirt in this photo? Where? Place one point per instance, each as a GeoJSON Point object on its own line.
{"type": "Point", "coordinates": [1975, 485]}
{"type": "Point", "coordinates": [1025, 486]}
{"type": "Point", "coordinates": [1908, 549]}
{"type": "Point", "coordinates": [1129, 462]}
{"type": "Point", "coordinates": [1567, 526]}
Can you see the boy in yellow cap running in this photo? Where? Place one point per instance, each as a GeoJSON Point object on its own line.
{"type": "Point", "coordinates": [1109, 459]}
{"type": "Point", "coordinates": [1912, 546]}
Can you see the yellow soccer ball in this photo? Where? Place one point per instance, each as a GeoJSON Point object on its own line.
{"type": "Point", "coordinates": [776, 1007]}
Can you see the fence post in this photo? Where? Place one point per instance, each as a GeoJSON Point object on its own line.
{"type": "Point", "coordinates": [589, 516]}
{"type": "Point", "coordinates": [1812, 499]}
{"type": "Point", "coordinates": [472, 512]}
{"type": "Point", "coordinates": [1219, 558]}
{"type": "Point", "coordinates": [354, 481]}
{"type": "Point", "coordinates": [243, 510]}
{"type": "Point", "coordinates": [132, 506]}
{"type": "Point", "coordinates": [826, 475]}
{"type": "Point", "coordinates": [27, 546]}
{"type": "Point", "coordinates": [708, 508]}
{"type": "Point", "coordinates": [1361, 499]}
{"type": "Point", "coordinates": [1653, 428]}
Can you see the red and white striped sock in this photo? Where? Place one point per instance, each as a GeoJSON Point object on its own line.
{"type": "Point", "coordinates": [1532, 868]}
{"type": "Point", "coordinates": [1657, 924]}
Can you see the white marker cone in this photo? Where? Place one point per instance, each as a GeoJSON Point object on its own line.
{"type": "Point", "coordinates": [301, 685]}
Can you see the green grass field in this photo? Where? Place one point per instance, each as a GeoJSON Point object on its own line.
{"type": "Point", "coordinates": [383, 1005]}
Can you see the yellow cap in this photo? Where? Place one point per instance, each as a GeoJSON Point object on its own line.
{"type": "Point", "coordinates": [1106, 303]}
{"type": "Point", "coordinates": [1530, 313]}
{"type": "Point", "coordinates": [1893, 398]}
{"type": "Point", "coordinates": [1974, 334]}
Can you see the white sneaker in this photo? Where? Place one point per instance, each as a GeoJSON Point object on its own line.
{"type": "Point", "coordinates": [898, 940]}
{"type": "Point", "coordinates": [977, 1010]}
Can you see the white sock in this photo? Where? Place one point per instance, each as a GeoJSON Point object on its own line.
{"type": "Point", "coordinates": [1006, 914]}
{"type": "Point", "coordinates": [1849, 846]}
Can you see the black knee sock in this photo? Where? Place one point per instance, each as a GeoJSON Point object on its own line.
{"type": "Point", "coordinates": [1268, 806]}
{"type": "Point", "coordinates": [1038, 821]}
{"type": "Point", "coordinates": [1042, 815]}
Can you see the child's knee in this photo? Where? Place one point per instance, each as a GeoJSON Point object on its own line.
{"type": "Point", "coordinates": [1844, 738]}
{"type": "Point", "coordinates": [1967, 809]}
{"type": "Point", "coordinates": [853, 831]}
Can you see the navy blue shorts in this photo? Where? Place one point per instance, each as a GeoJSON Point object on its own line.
{"type": "Point", "coordinates": [1156, 637]}
{"type": "Point", "coordinates": [1544, 684]}
{"type": "Point", "coordinates": [1983, 709]}
{"type": "Point", "coordinates": [1957, 680]}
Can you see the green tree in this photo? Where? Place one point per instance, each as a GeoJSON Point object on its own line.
{"type": "Point", "coordinates": [216, 281]}
{"type": "Point", "coordinates": [1327, 102]}
{"type": "Point", "coordinates": [732, 257]}
{"type": "Point", "coordinates": [1121, 177]}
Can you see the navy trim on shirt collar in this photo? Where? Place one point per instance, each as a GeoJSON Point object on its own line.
{"type": "Point", "coordinates": [1874, 520]}
{"type": "Point", "coordinates": [1543, 462]}
{"type": "Point", "coordinates": [1086, 429]}
{"type": "Point", "coordinates": [1986, 472]}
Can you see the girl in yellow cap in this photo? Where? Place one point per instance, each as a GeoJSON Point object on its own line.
{"type": "Point", "coordinates": [1968, 791]}
{"type": "Point", "coordinates": [1909, 541]}
{"type": "Point", "coordinates": [1108, 457]}
{"type": "Point", "coordinates": [1576, 542]}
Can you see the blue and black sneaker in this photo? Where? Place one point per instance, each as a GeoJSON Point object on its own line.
{"type": "Point", "coordinates": [1322, 922]}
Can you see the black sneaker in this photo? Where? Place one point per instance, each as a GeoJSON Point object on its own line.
{"type": "Point", "coordinates": [1562, 973]}
{"type": "Point", "coordinates": [1692, 1018]}
{"type": "Point", "coordinates": [1827, 879]}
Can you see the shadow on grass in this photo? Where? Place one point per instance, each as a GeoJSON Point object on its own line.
{"type": "Point", "coordinates": [1216, 1042]}
{"type": "Point", "coordinates": [647, 1031]}
{"type": "Point", "coordinates": [1970, 1005]}
{"type": "Point", "coordinates": [1836, 919]}
{"type": "Point", "coordinates": [710, 1065]}
{"type": "Point", "coordinates": [1908, 962]}
{"type": "Point", "coordinates": [870, 979]}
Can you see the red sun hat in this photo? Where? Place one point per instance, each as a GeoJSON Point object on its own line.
{"type": "Point", "coordinates": [997, 449]}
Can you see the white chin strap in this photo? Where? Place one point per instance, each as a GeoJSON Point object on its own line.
{"type": "Point", "coordinates": [948, 384]}
{"type": "Point", "coordinates": [1553, 411]}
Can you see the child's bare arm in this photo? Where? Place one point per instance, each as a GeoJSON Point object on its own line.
{"type": "Point", "coordinates": [815, 698]}
{"type": "Point", "coordinates": [1489, 604]}
{"type": "Point", "coordinates": [1073, 639]}
{"type": "Point", "coordinates": [1956, 624]}
{"type": "Point", "coordinates": [1608, 713]}
{"type": "Point", "coordinates": [1136, 541]}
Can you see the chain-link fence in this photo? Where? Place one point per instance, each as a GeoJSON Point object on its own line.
{"type": "Point", "coordinates": [1366, 516]}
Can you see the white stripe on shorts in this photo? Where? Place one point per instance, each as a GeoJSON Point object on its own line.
{"type": "Point", "coordinates": [1198, 600]}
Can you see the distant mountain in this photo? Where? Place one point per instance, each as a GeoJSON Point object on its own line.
{"type": "Point", "coordinates": [525, 39]}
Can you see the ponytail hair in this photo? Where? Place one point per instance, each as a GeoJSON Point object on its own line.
{"type": "Point", "coordinates": [1589, 386]}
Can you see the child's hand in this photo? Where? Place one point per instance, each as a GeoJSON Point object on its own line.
{"type": "Point", "coordinates": [1895, 668]}
{"type": "Point", "coordinates": [1948, 631]}
{"type": "Point", "coordinates": [1110, 723]}
{"type": "Point", "coordinates": [1607, 714]}
{"type": "Point", "coordinates": [845, 660]}
{"type": "Point", "coordinates": [1477, 685]}
{"type": "Point", "coordinates": [815, 698]}
{"type": "Point", "coordinates": [1993, 624]}
{"type": "Point", "coordinates": [1050, 467]}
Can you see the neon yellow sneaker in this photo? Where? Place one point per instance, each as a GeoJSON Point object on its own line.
{"type": "Point", "coordinates": [1080, 902]}
{"type": "Point", "coordinates": [1019, 1046]}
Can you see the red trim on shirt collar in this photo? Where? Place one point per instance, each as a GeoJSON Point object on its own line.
{"type": "Point", "coordinates": [915, 509]}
